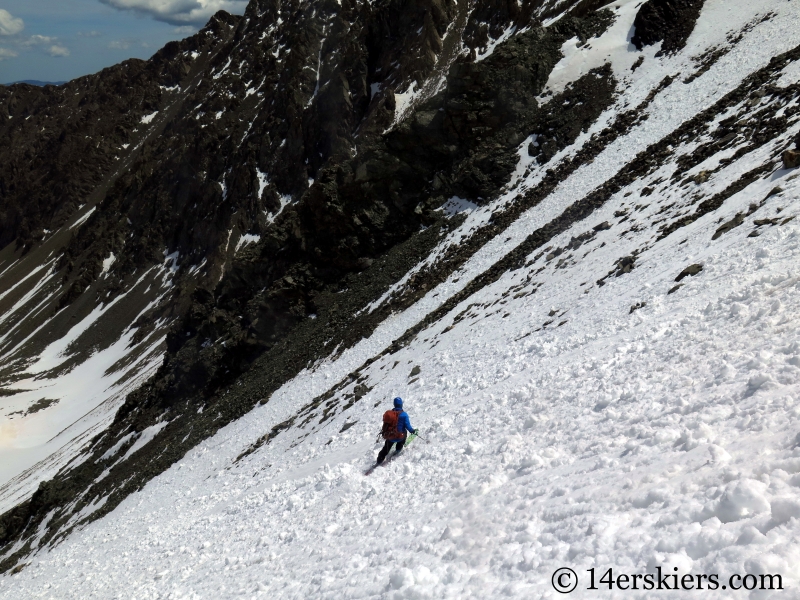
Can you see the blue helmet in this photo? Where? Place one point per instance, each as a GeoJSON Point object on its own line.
{"type": "Point", "coordinates": [398, 402]}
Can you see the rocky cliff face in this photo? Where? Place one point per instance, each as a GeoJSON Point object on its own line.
{"type": "Point", "coordinates": [670, 22]}
{"type": "Point", "coordinates": [282, 171]}
{"type": "Point", "coordinates": [60, 144]}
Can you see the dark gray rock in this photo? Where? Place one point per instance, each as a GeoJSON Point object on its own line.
{"type": "Point", "coordinates": [727, 226]}
{"type": "Point", "coordinates": [668, 21]}
{"type": "Point", "coordinates": [791, 159]}
{"type": "Point", "coordinates": [691, 270]}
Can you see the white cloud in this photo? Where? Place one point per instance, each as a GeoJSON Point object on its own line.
{"type": "Point", "coordinates": [52, 47]}
{"type": "Point", "coordinates": [186, 29]}
{"type": "Point", "coordinates": [179, 12]}
{"type": "Point", "coordinates": [56, 50]}
{"type": "Point", "coordinates": [38, 40]}
{"type": "Point", "coordinates": [5, 53]}
{"type": "Point", "coordinates": [89, 34]}
{"type": "Point", "coordinates": [126, 43]}
{"type": "Point", "coordinates": [10, 25]}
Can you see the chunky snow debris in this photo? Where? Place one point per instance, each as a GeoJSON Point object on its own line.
{"type": "Point", "coordinates": [611, 380]}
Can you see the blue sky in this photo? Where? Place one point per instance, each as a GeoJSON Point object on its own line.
{"type": "Point", "coordinates": [57, 40]}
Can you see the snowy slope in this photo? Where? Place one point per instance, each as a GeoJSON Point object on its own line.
{"type": "Point", "coordinates": [65, 372]}
{"type": "Point", "coordinates": [577, 409]}
{"type": "Point", "coordinates": [80, 331]}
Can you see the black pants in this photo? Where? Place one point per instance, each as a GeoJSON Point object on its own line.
{"type": "Point", "coordinates": [387, 446]}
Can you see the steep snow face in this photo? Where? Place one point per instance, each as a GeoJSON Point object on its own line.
{"type": "Point", "coordinates": [663, 437]}
{"type": "Point", "coordinates": [79, 330]}
{"type": "Point", "coordinates": [613, 47]}
{"type": "Point", "coordinates": [624, 394]}
{"type": "Point", "coordinates": [65, 372]}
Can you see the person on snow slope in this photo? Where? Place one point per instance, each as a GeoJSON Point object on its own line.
{"type": "Point", "coordinates": [396, 426]}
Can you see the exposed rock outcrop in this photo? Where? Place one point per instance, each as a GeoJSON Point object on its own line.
{"type": "Point", "coordinates": [668, 21]}
{"type": "Point", "coordinates": [791, 159]}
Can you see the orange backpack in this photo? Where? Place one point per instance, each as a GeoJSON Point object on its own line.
{"type": "Point", "coordinates": [390, 420]}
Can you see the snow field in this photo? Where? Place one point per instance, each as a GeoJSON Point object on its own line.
{"type": "Point", "coordinates": [35, 444]}
{"type": "Point", "coordinates": [561, 427]}
{"type": "Point", "coordinates": [663, 437]}
{"type": "Point", "coordinates": [666, 436]}
{"type": "Point", "coordinates": [676, 104]}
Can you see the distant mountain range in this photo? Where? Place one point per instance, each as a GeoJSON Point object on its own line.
{"type": "Point", "coordinates": [36, 82]}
